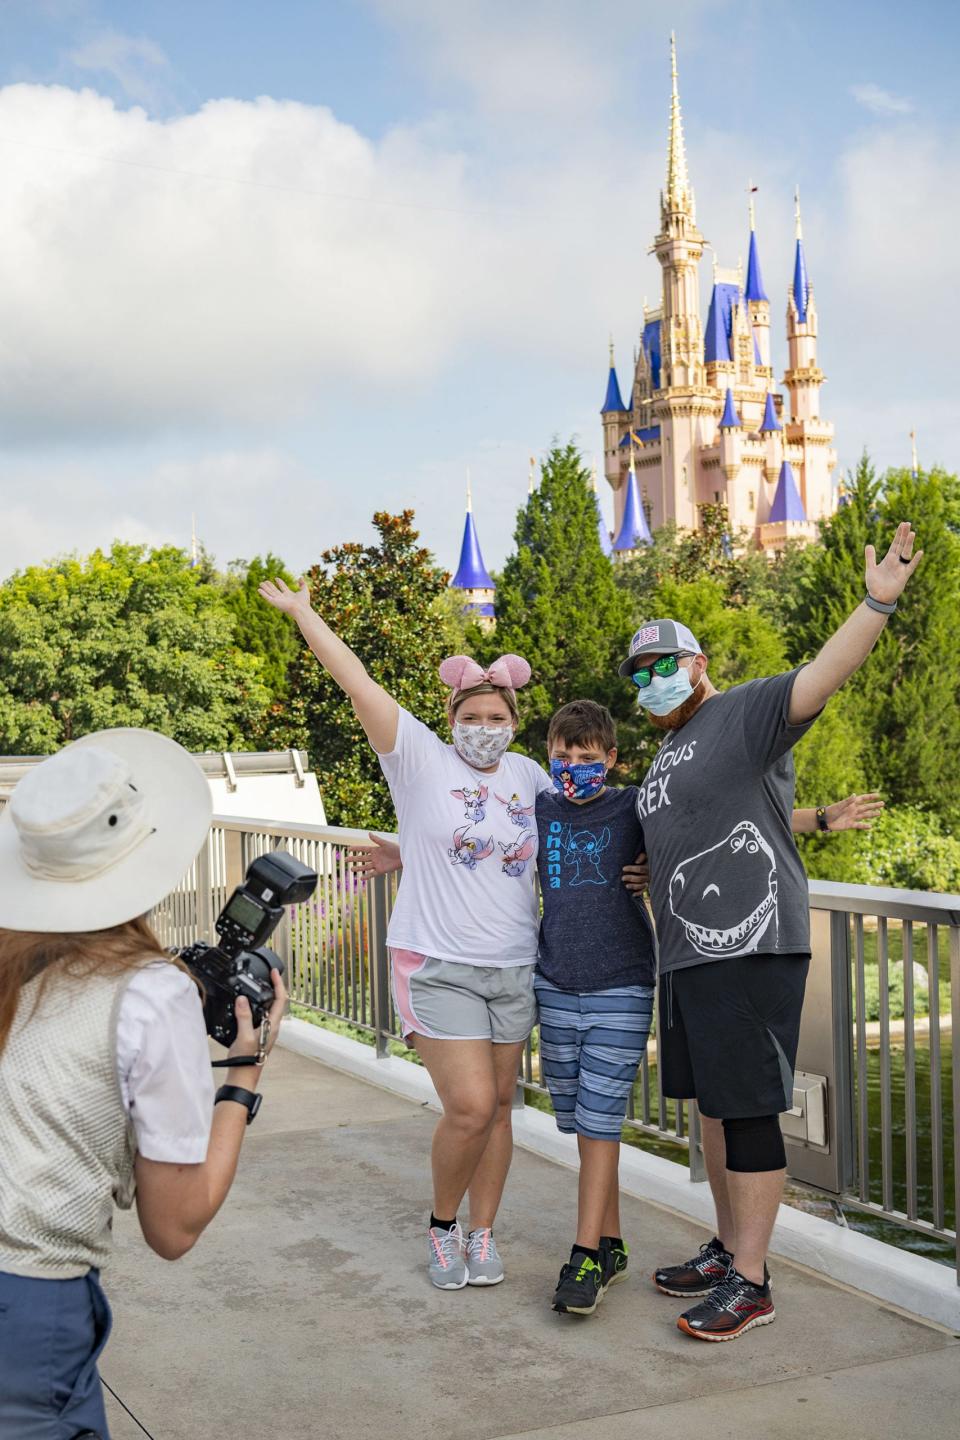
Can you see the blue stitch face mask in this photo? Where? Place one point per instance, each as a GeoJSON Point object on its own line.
{"type": "Point", "coordinates": [664, 694]}
{"type": "Point", "coordinates": [577, 782]}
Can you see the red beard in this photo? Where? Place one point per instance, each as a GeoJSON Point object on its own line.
{"type": "Point", "coordinates": [676, 718]}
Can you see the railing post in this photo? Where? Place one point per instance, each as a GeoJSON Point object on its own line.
{"type": "Point", "coordinates": [842, 997]}
{"type": "Point", "coordinates": [378, 909]}
{"type": "Point", "coordinates": [205, 892]}
{"type": "Point", "coordinates": [698, 1165]}
{"type": "Point", "coordinates": [234, 868]}
{"type": "Point", "coordinates": [955, 1044]}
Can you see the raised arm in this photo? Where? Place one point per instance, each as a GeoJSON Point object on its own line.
{"type": "Point", "coordinates": [846, 650]}
{"type": "Point", "coordinates": [857, 812]}
{"type": "Point", "coordinates": [377, 711]}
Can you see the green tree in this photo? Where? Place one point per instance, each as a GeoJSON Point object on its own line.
{"type": "Point", "coordinates": [558, 603]}
{"type": "Point", "coordinates": [258, 629]}
{"type": "Point", "coordinates": [128, 637]}
{"type": "Point", "coordinates": [386, 602]}
{"type": "Point", "coordinates": [903, 701]}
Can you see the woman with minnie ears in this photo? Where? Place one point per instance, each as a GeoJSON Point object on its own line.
{"type": "Point", "coordinates": [463, 932]}
{"type": "Point", "coordinates": [105, 1081]}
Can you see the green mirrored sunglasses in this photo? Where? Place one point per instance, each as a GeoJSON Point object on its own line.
{"type": "Point", "coordinates": [664, 666]}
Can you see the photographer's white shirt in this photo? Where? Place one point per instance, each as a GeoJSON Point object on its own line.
{"type": "Point", "coordinates": [163, 1065]}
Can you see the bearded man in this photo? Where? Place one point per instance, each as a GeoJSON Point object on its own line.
{"type": "Point", "coordinates": [731, 904]}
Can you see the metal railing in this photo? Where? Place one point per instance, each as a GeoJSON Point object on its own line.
{"type": "Point", "coordinates": [892, 1084]}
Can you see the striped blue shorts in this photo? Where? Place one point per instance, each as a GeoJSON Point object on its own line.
{"type": "Point", "coordinates": [591, 1046]}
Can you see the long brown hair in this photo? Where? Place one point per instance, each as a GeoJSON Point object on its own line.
{"type": "Point", "coordinates": [25, 954]}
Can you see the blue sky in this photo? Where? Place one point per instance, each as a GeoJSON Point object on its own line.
{"type": "Point", "coordinates": [283, 265]}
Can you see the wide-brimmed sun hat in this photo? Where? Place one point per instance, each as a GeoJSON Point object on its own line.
{"type": "Point", "coordinates": [100, 832]}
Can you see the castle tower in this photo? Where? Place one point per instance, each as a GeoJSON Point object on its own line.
{"type": "Point", "coordinates": [615, 415]}
{"type": "Point", "coordinates": [472, 577]}
{"type": "Point", "coordinates": [758, 303]}
{"type": "Point", "coordinates": [803, 379]}
{"type": "Point", "coordinates": [634, 529]}
{"type": "Point", "coordinates": [683, 400]}
{"type": "Point", "coordinates": [702, 422]}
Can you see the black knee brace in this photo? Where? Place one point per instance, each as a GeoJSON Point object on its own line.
{"type": "Point", "coordinates": [754, 1144]}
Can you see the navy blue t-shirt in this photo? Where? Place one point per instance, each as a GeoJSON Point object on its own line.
{"type": "Point", "coordinates": [593, 935]}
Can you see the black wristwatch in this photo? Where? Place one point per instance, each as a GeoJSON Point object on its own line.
{"type": "Point", "coordinates": [251, 1098]}
{"type": "Point", "coordinates": [822, 818]}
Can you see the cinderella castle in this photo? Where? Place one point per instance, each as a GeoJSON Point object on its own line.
{"type": "Point", "coordinates": [702, 423]}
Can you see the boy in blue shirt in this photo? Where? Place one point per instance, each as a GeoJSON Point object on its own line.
{"type": "Point", "coordinates": [594, 980]}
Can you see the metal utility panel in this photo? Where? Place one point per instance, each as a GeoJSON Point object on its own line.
{"type": "Point", "coordinates": [819, 1147]}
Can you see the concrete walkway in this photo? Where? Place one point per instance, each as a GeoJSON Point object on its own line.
{"type": "Point", "coordinates": [305, 1312]}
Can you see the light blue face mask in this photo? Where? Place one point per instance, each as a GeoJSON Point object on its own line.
{"type": "Point", "coordinates": [664, 694]}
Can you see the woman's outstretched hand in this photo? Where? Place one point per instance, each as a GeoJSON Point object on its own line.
{"type": "Point", "coordinates": [292, 602]}
{"type": "Point", "coordinates": [382, 859]}
{"type": "Point", "coordinates": [886, 579]}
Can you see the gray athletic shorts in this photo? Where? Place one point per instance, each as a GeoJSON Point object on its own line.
{"type": "Point", "coordinates": [448, 1000]}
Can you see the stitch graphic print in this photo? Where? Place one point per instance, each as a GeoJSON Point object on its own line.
{"type": "Point", "coordinates": [726, 897]}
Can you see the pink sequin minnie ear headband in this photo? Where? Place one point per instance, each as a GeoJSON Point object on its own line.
{"type": "Point", "coordinates": [508, 673]}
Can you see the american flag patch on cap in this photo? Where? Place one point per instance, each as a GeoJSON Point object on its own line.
{"type": "Point", "coordinates": [648, 636]}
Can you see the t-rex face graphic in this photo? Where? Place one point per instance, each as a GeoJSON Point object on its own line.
{"type": "Point", "coordinates": [726, 896]}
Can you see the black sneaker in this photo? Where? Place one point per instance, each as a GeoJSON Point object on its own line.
{"type": "Point", "coordinates": [613, 1263]}
{"type": "Point", "coordinates": [580, 1287]}
{"type": "Point", "coordinates": [697, 1276]}
{"type": "Point", "coordinates": [732, 1307]}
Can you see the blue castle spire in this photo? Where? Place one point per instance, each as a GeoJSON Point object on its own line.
{"type": "Point", "coordinates": [471, 574]}
{"type": "Point", "coordinates": [613, 399]}
{"type": "Point", "coordinates": [730, 420]}
{"type": "Point", "coordinates": [801, 280]}
{"type": "Point", "coordinates": [634, 529]}
{"type": "Point", "coordinates": [754, 290]}
{"type": "Point", "coordinates": [787, 504]}
{"type": "Point", "coordinates": [606, 545]}
{"type": "Point", "coordinates": [770, 421]}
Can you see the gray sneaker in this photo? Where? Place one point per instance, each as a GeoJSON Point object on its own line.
{"type": "Point", "coordinates": [448, 1270]}
{"type": "Point", "coordinates": [484, 1266]}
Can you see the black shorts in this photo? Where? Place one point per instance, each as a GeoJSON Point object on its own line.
{"type": "Point", "coordinates": [727, 1034]}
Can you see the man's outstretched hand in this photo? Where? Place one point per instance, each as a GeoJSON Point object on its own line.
{"type": "Point", "coordinates": [886, 579]}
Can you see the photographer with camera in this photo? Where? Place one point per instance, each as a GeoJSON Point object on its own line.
{"type": "Point", "coordinates": [105, 1079]}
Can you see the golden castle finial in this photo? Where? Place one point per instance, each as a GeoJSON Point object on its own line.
{"type": "Point", "coordinates": [611, 350]}
{"type": "Point", "coordinates": [593, 479]}
{"type": "Point", "coordinates": [914, 464]}
{"type": "Point", "coordinates": [469, 492]}
{"type": "Point", "coordinates": [531, 486]}
{"type": "Point", "coordinates": [677, 193]}
{"type": "Point", "coordinates": [796, 212]}
{"type": "Point", "coordinates": [751, 191]}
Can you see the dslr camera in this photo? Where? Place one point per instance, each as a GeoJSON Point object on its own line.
{"type": "Point", "coordinates": [241, 963]}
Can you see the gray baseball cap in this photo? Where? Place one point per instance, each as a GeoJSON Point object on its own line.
{"type": "Point", "coordinates": [659, 637]}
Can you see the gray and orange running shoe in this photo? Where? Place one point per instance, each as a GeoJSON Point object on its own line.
{"type": "Point", "coordinates": [484, 1266]}
{"type": "Point", "coordinates": [448, 1269]}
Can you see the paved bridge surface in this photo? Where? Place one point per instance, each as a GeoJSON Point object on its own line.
{"type": "Point", "coordinates": [305, 1312]}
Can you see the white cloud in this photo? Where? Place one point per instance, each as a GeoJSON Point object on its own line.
{"type": "Point", "coordinates": [134, 62]}
{"type": "Point", "coordinates": [257, 261]}
{"type": "Point", "coordinates": [879, 101]}
{"type": "Point", "coordinates": [244, 502]}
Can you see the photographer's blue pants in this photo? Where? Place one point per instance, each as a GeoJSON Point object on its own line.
{"type": "Point", "coordinates": [51, 1336]}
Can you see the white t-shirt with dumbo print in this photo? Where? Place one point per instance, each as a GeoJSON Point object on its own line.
{"type": "Point", "coordinates": [468, 840]}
